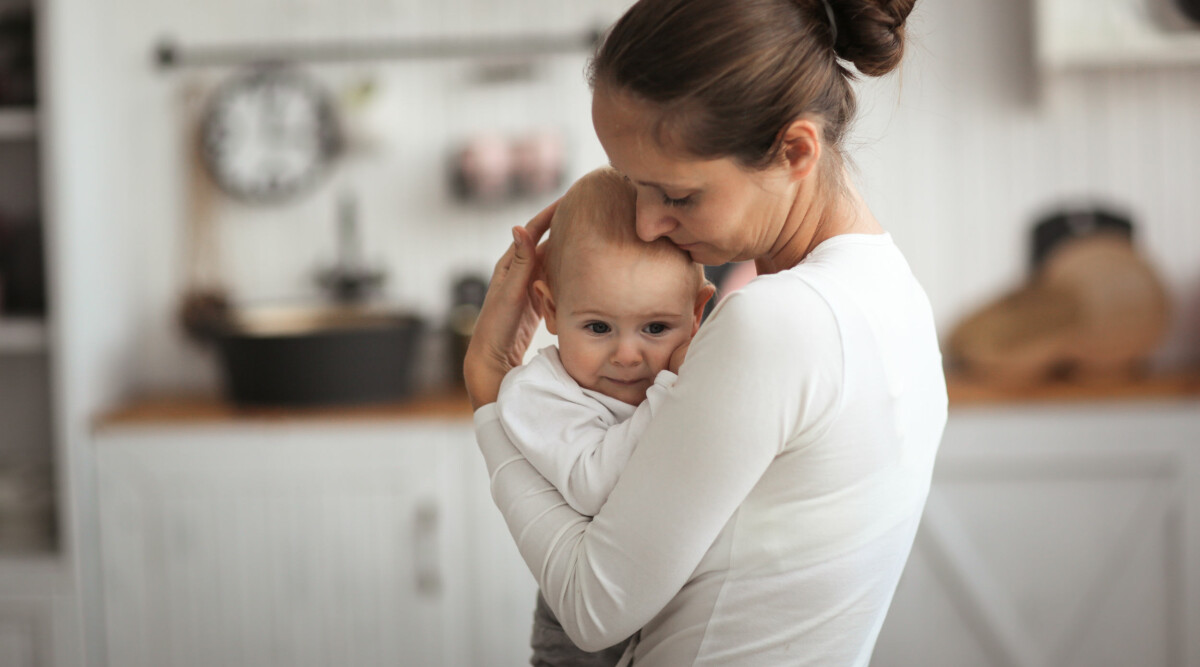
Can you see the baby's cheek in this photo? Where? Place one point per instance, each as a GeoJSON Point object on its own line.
{"type": "Point", "coordinates": [662, 355]}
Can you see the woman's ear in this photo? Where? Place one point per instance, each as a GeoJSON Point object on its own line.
{"type": "Point", "coordinates": [707, 290]}
{"type": "Point", "coordinates": [801, 143]}
{"type": "Point", "coordinates": [545, 303]}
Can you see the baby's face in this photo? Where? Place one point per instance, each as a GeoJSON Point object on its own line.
{"type": "Point", "coordinates": [619, 315]}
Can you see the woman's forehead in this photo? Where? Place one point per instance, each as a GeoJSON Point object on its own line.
{"type": "Point", "coordinates": [626, 127]}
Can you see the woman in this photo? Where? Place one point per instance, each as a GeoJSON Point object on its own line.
{"type": "Point", "coordinates": [767, 513]}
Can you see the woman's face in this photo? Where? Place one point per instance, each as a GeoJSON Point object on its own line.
{"type": "Point", "coordinates": [716, 210]}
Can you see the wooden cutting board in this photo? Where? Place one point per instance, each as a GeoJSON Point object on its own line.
{"type": "Point", "coordinates": [1096, 311]}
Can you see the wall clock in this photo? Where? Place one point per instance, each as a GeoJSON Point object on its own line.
{"type": "Point", "coordinates": [268, 134]}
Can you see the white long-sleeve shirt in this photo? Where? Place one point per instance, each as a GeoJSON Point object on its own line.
{"type": "Point", "coordinates": [767, 512]}
{"type": "Point", "coordinates": [578, 439]}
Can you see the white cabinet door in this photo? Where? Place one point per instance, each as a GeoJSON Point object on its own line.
{"type": "Point", "coordinates": [503, 591]}
{"type": "Point", "coordinates": [25, 631]}
{"type": "Point", "coordinates": [282, 545]}
{"type": "Point", "coordinates": [1056, 537]}
{"type": "Point", "coordinates": [18, 639]}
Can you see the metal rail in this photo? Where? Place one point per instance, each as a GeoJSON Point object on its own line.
{"type": "Point", "coordinates": [170, 55]}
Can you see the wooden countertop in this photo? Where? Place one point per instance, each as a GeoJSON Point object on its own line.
{"type": "Point", "coordinates": [1180, 385]}
{"type": "Point", "coordinates": [453, 404]}
{"type": "Point", "coordinates": [212, 409]}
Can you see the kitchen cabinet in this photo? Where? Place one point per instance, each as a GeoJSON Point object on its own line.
{"type": "Point", "coordinates": [503, 590]}
{"type": "Point", "coordinates": [25, 631]}
{"type": "Point", "coordinates": [286, 543]}
{"type": "Point", "coordinates": [1056, 535]}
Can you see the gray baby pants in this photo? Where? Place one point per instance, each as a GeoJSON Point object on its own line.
{"type": "Point", "coordinates": [553, 648]}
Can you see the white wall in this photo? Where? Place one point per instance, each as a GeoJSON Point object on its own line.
{"type": "Point", "coordinates": [957, 156]}
{"type": "Point", "coordinates": [978, 147]}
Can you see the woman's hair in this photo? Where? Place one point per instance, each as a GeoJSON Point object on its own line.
{"type": "Point", "coordinates": [599, 210]}
{"type": "Point", "coordinates": [730, 75]}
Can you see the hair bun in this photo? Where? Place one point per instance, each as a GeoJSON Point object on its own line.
{"type": "Point", "coordinates": [870, 33]}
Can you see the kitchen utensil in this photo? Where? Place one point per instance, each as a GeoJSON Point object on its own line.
{"type": "Point", "coordinates": [350, 280]}
{"type": "Point", "coordinates": [482, 170]}
{"type": "Point", "coordinates": [466, 300]}
{"type": "Point", "coordinates": [538, 162]}
{"type": "Point", "coordinates": [204, 308]}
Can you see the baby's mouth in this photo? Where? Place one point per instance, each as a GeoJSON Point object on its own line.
{"type": "Point", "coordinates": [627, 383]}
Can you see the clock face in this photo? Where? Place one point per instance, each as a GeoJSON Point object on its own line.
{"type": "Point", "coordinates": [269, 134]}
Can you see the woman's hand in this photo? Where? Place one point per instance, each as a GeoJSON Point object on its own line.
{"type": "Point", "coordinates": [509, 316]}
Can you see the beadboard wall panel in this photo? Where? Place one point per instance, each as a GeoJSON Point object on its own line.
{"type": "Point", "coordinates": [958, 156]}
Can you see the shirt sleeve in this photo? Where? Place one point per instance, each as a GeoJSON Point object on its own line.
{"type": "Point", "coordinates": [738, 399]}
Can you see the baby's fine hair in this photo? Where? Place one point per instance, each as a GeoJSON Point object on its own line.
{"type": "Point", "coordinates": [600, 209]}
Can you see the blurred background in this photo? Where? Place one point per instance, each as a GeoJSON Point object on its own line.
{"type": "Point", "coordinates": [242, 243]}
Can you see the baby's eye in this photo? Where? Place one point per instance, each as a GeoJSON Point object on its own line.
{"type": "Point", "coordinates": [655, 328]}
{"type": "Point", "coordinates": [597, 327]}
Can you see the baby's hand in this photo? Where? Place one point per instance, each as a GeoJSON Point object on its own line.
{"type": "Point", "coordinates": [677, 357]}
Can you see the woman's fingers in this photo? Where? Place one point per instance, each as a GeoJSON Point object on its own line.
{"type": "Point", "coordinates": [528, 237]}
{"type": "Point", "coordinates": [509, 317]}
{"type": "Point", "coordinates": [541, 222]}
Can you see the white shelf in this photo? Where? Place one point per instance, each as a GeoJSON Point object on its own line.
{"type": "Point", "coordinates": [1083, 34]}
{"type": "Point", "coordinates": [22, 335]}
{"type": "Point", "coordinates": [18, 123]}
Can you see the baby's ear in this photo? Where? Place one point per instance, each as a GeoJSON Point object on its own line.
{"type": "Point", "coordinates": [546, 305]}
{"type": "Point", "coordinates": [707, 290]}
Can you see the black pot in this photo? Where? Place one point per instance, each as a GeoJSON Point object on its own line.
{"type": "Point", "coordinates": [320, 358]}
{"type": "Point", "coordinates": [1060, 227]}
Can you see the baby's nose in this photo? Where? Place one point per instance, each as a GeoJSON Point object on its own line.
{"type": "Point", "coordinates": [628, 353]}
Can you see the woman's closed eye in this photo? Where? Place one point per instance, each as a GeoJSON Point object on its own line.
{"type": "Point", "coordinates": [671, 201]}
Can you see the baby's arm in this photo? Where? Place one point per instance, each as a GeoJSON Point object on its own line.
{"type": "Point", "coordinates": [566, 437]}
{"type": "Point", "coordinates": [599, 463]}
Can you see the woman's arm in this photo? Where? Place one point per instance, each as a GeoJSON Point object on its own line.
{"type": "Point", "coordinates": [509, 316]}
{"type": "Point", "coordinates": [738, 399]}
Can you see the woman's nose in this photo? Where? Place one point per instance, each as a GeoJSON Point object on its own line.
{"type": "Point", "coordinates": [653, 221]}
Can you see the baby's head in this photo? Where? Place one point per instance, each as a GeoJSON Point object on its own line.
{"type": "Point", "coordinates": [619, 306]}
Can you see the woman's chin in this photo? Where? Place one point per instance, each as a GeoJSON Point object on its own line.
{"type": "Point", "coordinates": [705, 255]}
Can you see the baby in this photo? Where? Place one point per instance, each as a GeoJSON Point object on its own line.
{"type": "Point", "coordinates": [624, 311]}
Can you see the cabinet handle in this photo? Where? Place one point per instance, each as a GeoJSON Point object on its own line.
{"type": "Point", "coordinates": [425, 549]}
